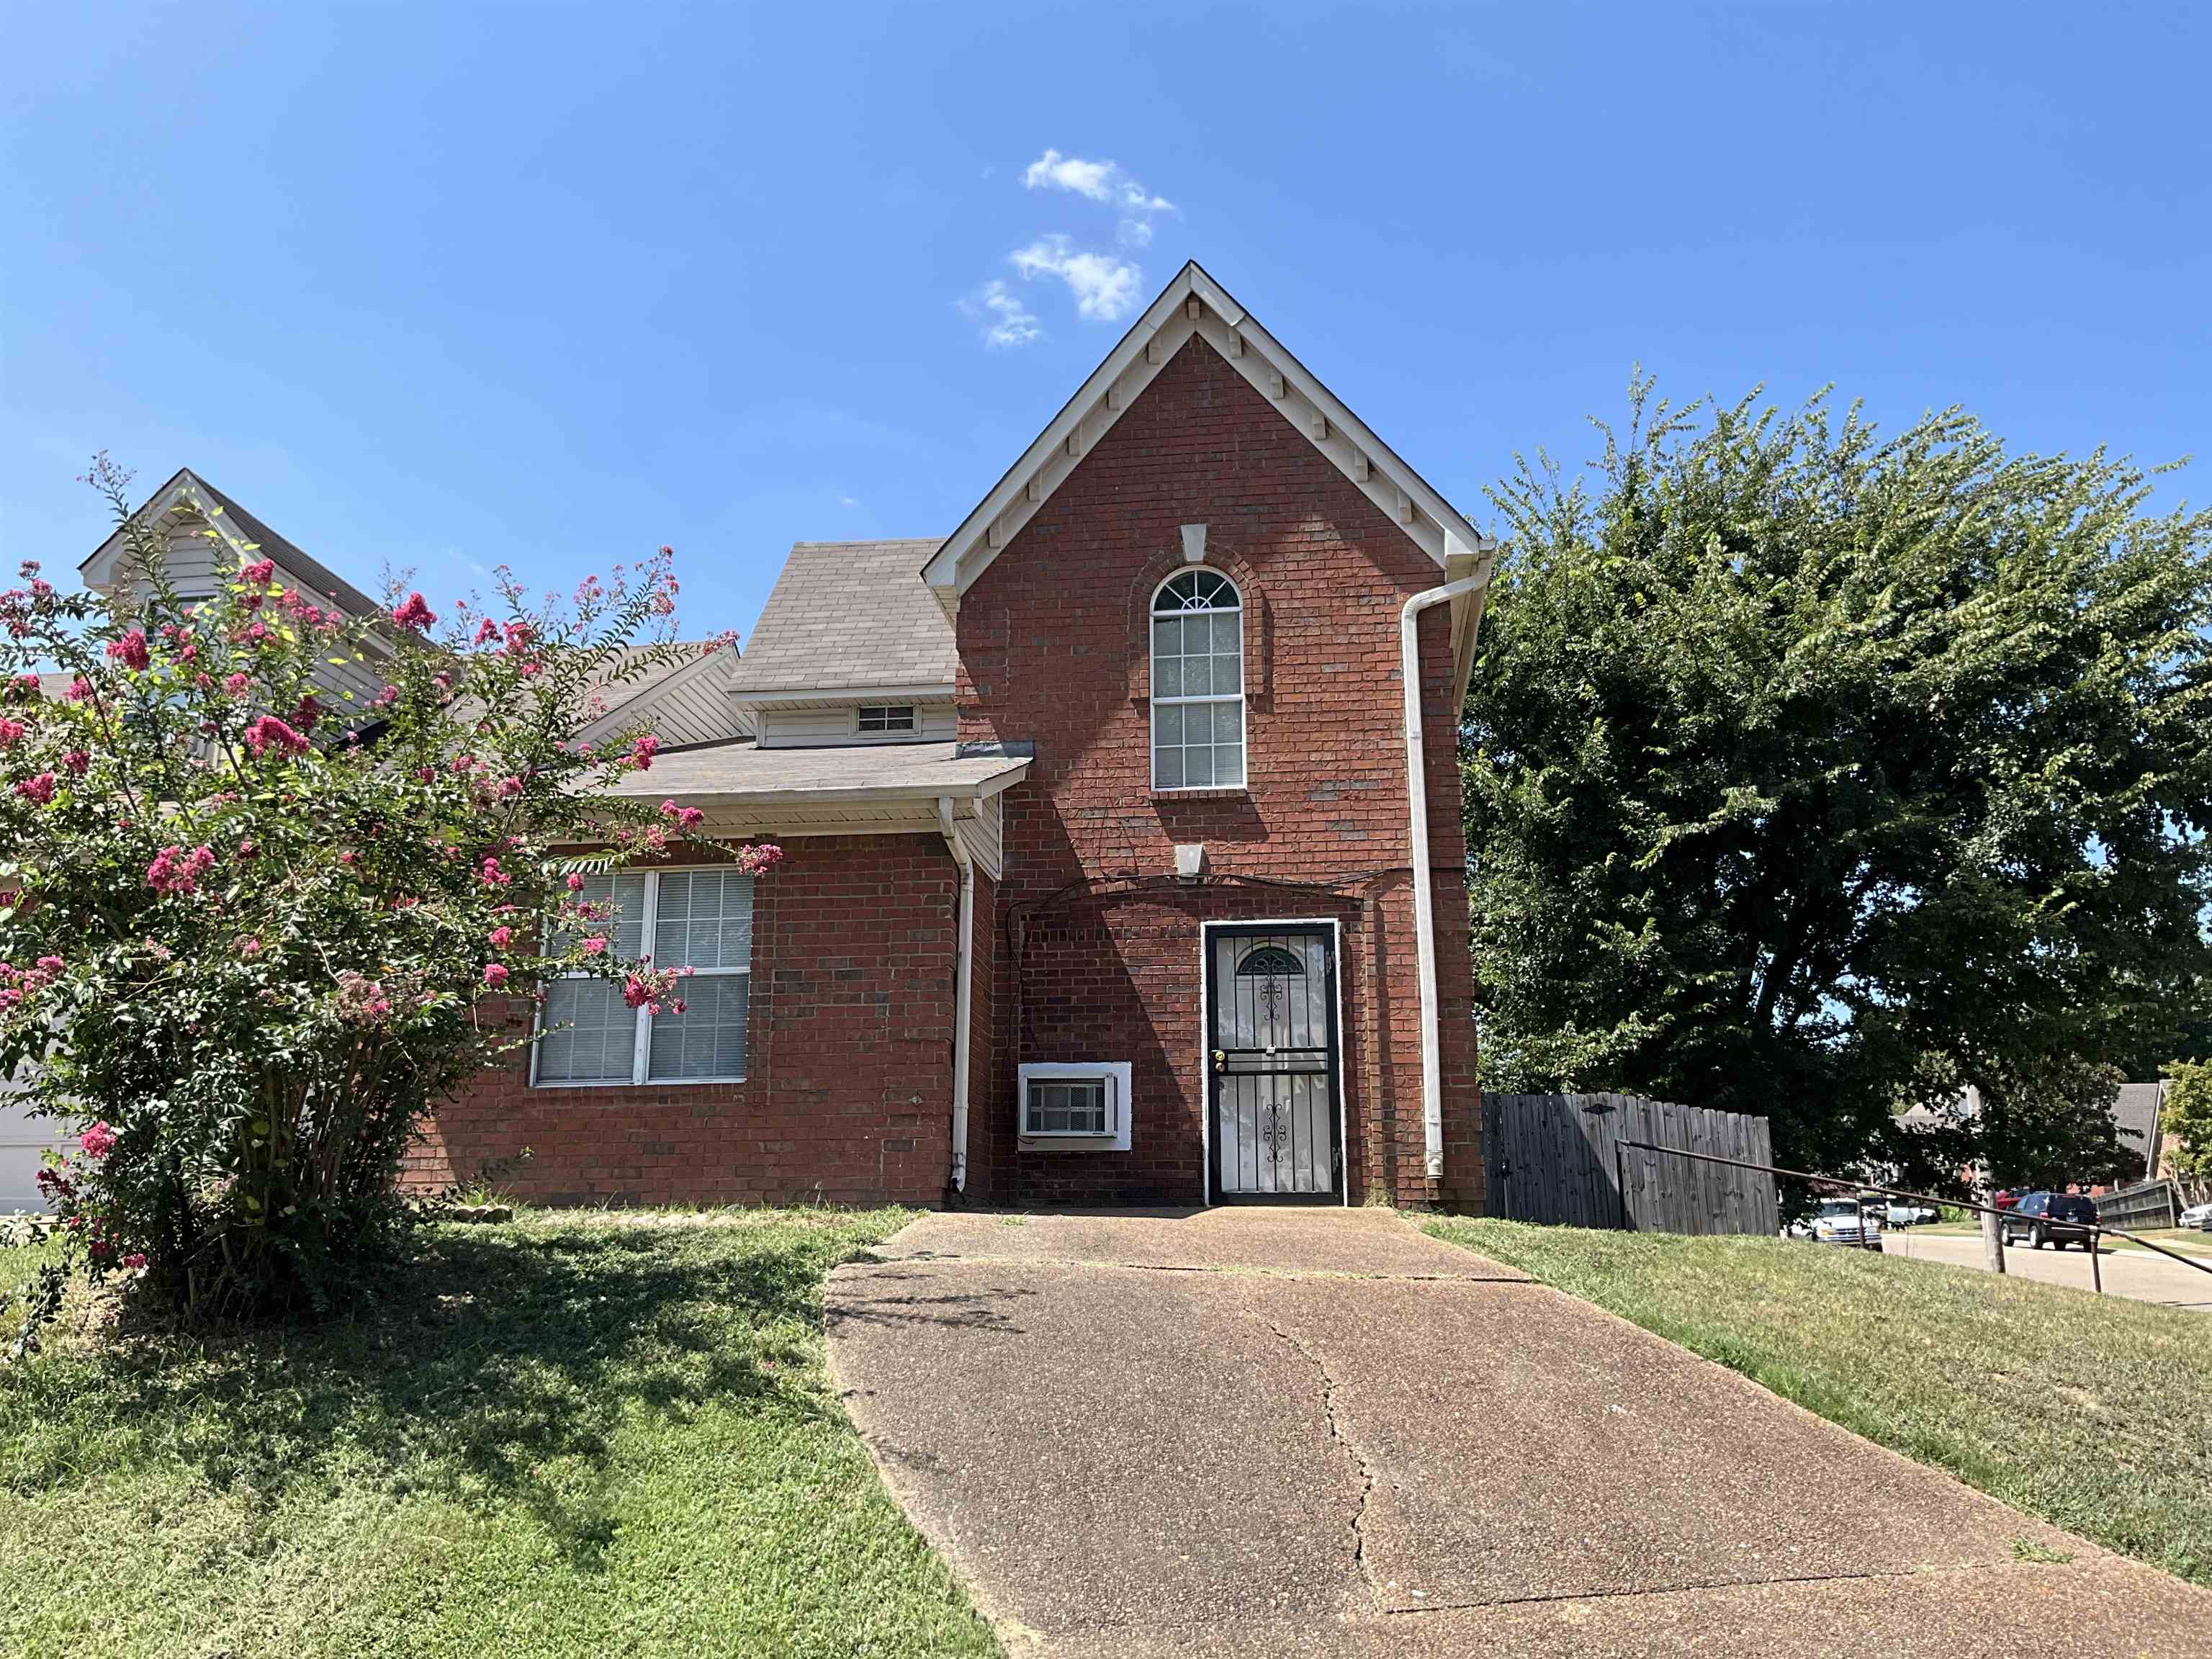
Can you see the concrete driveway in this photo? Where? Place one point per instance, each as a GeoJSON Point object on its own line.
{"type": "Point", "coordinates": [1273, 1431]}
{"type": "Point", "coordinates": [2141, 1275]}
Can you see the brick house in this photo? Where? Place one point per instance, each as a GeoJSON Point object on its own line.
{"type": "Point", "coordinates": [1104, 881]}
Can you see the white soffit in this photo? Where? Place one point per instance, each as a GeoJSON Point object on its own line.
{"type": "Point", "coordinates": [1195, 304]}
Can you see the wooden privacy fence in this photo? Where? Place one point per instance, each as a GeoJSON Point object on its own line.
{"type": "Point", "coordinates": [2152, 1204]}
{"type": "Point", "coordinates": [1560, 1158]}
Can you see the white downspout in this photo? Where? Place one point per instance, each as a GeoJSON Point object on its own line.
{"type": "Point", "coordinates": [1425, 902]}
{"type": "Point", "coordinates": [963, 980]}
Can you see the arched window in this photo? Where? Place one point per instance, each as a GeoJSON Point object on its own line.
{"type": "Point", "coordinates": [1198, 682]}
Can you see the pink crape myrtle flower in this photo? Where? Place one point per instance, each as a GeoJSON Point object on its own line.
{"type": "Point", "coordinates": [494, 975]}
{"type": "Point", "coordinates": [236, 685]}
{"type": "Point", "coordinates": [414, 613]}
{"type": "Point", "coordinates": [575, 883]}
{"type": "Point", "coordinates": [80, 690]}
{"type": "Point", "coordinates": [491, 875]}
{"type": "Point", "coordinates": [642, 751]}
{"type": "Point", "coordinates": [759, 860]}
{"type": "Point", "coordinates": [11, 733]}
{"type": "Point", "coordinates": [97, 1140]}
{"type": "Point", "coordinates": [269, 733]}
{"type": "Point", "coordinates": [487, 630]}
{"type": "Point", "coordinates": [175, 870]}
{"type": "Point", "coordinates": [595, 945]}
{"type": "Point", "coordinates": [76, 761]}
{"type": "Point", "coordinates": [130, 651]}
{"type": "Point", "coordinates": [39, 790]}
{"type": "Point", "coordinates": [259, 573]}
{"type": "Point", "coordinates": [501, 937]}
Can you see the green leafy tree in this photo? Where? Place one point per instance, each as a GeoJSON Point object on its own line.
{"type": "Point", "coordinates": [1814, 773]}
{"type": "Point", "coordinates": [2186, 1118]}
{"type": "Point", "coordinates": [249, 927]}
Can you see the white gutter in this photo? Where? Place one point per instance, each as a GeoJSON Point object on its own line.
{"type": "Point", "coordinates": [1424, 902]}
{"type": "Point", "coordinates": [963, 991]}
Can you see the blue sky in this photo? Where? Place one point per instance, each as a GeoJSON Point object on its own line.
{"type": "Point", "coordinates": [444, 287]}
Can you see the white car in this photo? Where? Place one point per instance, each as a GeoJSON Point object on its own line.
{"type": "Point", "coordinates": [2199, 1216]}
{"type": "Point", "coordinates": [1901, 1212]}
{"type": "Point", "coordinates": [1836, 1221]}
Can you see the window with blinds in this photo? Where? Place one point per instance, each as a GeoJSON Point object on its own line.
{"type": "Point", "coordinates": [699, 919]}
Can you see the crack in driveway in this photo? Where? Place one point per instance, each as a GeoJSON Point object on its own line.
{"type": "Point", "coordinates": [1358, 1458]}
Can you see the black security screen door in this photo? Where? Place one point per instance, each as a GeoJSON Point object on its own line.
{"type": "Point", "coordinates": [1272, 1059]}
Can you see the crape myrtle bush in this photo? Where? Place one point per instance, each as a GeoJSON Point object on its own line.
{"type": "Point", "coordinates": [247, 918]}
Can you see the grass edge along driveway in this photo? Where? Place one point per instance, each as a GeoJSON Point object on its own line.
{"type": "Point", "coordinates": [575, 1434]}
{"type": "Point", "coordinates": [2093, 1413]}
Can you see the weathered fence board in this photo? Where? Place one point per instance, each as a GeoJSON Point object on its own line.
{"type": "Point", "coordinates": [2151, 1203]}
{"type": "Point", "coordinates": [1560, 1158]}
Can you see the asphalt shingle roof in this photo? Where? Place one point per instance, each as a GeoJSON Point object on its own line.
{"type": "Point", "coordinates": [2135, 1111]}
{"type": "Point", "coordinates": [849, 613]}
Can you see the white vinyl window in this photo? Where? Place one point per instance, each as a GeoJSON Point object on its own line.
{"type": "Point", "coordinates": [698, 919]}
{"type": "Point", "coordinates": [1082, 1107]}
{"type": "Point", "coordinates": [1198, 682]}
{"type": "Point", "coordinates": [886, 717]}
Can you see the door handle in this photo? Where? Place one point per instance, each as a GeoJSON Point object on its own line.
{"type": "Point", "coordinates": [1220, 1059]}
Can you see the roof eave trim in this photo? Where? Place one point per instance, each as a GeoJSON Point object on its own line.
{"type": "Point", "coordinates": [997, 783]}
{"type": "Point", "coordinates": [938, 691]}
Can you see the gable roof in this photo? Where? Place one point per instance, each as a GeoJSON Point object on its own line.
{"type": "Point", "coordinates": [647, 695]}
{"type": "Point", "coordinates": [239, 530]}
{"type": "Point", "coordinates": [850, 616]}
{"type": "Point", "coordinates": [1195, 304]}
{"type": "Point", "coordinates": [2136, 1114]}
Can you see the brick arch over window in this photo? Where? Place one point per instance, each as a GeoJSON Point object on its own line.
{"type": "Point", "coordinates": [1259, 622]}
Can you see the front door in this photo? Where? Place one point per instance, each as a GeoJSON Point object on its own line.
{"type": "Point", "coordinates": [1272, 1060]}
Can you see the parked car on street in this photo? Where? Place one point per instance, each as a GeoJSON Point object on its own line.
{"type": "Point", "coordinates": [1903, 1212]}
{"type": "Point", "coordinates": [2054, 1218]}
{"type": "Point", "coordinates": [2199, 1216]}
{"type": "Point", "coordinates": [1836, 1221]}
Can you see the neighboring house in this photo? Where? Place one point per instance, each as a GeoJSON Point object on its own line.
{"type": "Point", "coordinates": [2136, 1112]}
{"type": "Point", "coordinates": [1104, 881]}
{"type": "Point", "coordinates": [24, 1142]}
{"type": "Point", "coordinates": [1100, 878]}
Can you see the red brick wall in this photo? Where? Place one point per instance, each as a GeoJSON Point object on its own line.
{"type": "Point", "coordinates": [848, 1094]}
{"type": "Point", "coordinates": [1053, 639]}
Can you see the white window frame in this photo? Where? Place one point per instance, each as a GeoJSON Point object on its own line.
{"type": "Point", "coordinates": [1152, 613]}
{"type": "Point", "coordinates": [641, 1050]}
{"type": "Point", "coordinates": [887, 725]}
{"type": "Point", "coordinates": [1116, 1074]}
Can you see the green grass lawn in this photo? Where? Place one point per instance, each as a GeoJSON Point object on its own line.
{"type": "Point", "coordinates": [2093, 1413]}
{"type": "Point", "coordinates": [578, 1435]}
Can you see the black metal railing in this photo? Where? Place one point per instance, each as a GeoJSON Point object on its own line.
{"type": "Point", "coordinates": [2096, 1229]}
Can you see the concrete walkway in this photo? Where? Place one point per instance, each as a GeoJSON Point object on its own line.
{"type": "Point", "coordinates": [2140, 1275]}
{"type": "Point", "coordinates": [1249, 1432]}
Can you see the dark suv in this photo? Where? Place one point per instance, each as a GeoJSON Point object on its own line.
{"type": "Point", "coordinates": [2055, 1218]}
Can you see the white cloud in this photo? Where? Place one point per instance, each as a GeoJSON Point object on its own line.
{"type": "Point", "coordinates": [1104, 182]}
{"type": "Point", "coordinates": [1052, 171]}
{"type": "Point", "coordinates": [1105, 286]}
{"type": "Point", "coordinates": [1007, 320]}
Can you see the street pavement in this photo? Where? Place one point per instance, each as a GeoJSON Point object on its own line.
{"type": "Point", "coordinates": [2135, 1273]}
